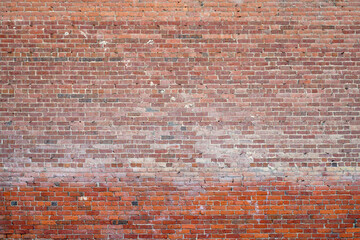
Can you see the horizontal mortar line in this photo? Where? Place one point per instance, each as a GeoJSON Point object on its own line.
{"type": "Point", "coordinates": [65, 59]}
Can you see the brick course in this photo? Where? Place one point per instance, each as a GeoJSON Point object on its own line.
{"type": "Point", "coordinates": [231, 119]}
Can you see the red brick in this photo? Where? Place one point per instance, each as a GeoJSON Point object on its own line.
{"type": "Point", "coordinates": [181, 120]}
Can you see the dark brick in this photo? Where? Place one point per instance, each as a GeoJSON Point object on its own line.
{"type": "Point", "coordinates": [170, 59]}
{"type": "Point", "coordinates": [42, 59]}
{"type": "Point", "coordinates": [189, 36]}
{"type": "Point", "coordinates": [116, 59]}
{"type": "Point", "coordinates": [77, 95]}
{"type": "Point", "coordinates": [165, 137]}
{"type": "Point", "coordinates": [151, 110]}
{"type": "Point", "coordinates": [85, 100]}
{"type": "Point", "coordinates": [119, 222]}
{"type": "Point", "coordinates": [61, 59]}
{"type": "Point", "coordinates": [91, 59]}
{"type": "Point", "coordinates": [64, 95]}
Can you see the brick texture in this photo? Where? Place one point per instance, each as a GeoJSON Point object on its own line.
{"type": "Point", "coordinates": [204, 119]}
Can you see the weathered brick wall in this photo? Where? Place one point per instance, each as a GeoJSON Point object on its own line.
{"type": "Point", "coordinates": [223, 119]}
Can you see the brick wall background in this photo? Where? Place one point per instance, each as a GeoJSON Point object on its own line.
{"type": "Point", "coordinates": [180, 119]}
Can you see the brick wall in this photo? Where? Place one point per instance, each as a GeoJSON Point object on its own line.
{"type": "Point", "coordinates": [140, 119]}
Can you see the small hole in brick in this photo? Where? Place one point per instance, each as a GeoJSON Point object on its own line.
{"type": "Point", "coordinates": [135, 203]}
{"type": "Point", "coordinates": [54, 204]}
{"type": "Point", "coordinates": [14, 203]}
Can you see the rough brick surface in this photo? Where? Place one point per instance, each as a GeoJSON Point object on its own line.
{"type": "Point", "coordinates": [140, 119]}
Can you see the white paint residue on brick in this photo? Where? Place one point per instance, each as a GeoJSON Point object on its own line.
{"type": "Point", "coordinates": [238, 1]}
{"type": "Point", "coordinates": [84, 34]}
{"type": "Point", "coordinates": [257, 211]}
{"type": "Point", "coordinates": [103, 43]}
